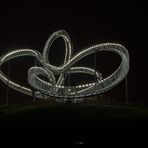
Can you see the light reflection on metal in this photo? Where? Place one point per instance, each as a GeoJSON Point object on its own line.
{"type": "Point", "coordinates": [44, 89]}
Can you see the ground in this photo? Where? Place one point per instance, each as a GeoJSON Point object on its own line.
{"type": "Point", "coordinates": [46, 123]}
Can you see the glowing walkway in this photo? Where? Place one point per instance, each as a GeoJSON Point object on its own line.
{"type": "Point", "coordinates": [44, 89]}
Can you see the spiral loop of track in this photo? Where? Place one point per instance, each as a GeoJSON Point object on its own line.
{"type": "Point", "coordinates": [56, 88]}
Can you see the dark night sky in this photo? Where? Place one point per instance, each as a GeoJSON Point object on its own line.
{"type": "Point", "coordinates": [28, 25]}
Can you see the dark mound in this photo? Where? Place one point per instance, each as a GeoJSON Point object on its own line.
{"type": "Point", "coordinates": [46, 123]}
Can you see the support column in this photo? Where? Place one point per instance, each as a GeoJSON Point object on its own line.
{"type": "Point", "coordinates": [126, 91]}
{"type": "Point", "coordinates": [8, 76]}
{"type": "Point", "coordinates": [95, 79]}
{"type": "Point", "coordinates": [34, 99]}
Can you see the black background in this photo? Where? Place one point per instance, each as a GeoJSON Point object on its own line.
{"type": "Point", "coordinates": [28, 25]}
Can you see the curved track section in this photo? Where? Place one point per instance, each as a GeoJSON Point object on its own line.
{"type": "Point", "coordinates": [43, 88]}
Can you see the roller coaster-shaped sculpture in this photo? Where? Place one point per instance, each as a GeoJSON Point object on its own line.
{"type": "Point", "coordinates": [43, 89]}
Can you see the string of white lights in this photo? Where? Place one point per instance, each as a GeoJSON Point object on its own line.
{"type": "Point", "coordinates": [43, 88]}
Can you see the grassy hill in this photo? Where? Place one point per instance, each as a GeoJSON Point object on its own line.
{"type": "Point", "coordinates": [54, 111]}
{"type": "Point", "coordinates": [45, 122]}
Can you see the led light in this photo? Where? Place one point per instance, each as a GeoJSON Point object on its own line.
{"type": "Point", "coordinates": [87, 85]}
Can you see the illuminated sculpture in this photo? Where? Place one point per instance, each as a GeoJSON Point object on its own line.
{"type": "Point", "coordinates": [43, 89]}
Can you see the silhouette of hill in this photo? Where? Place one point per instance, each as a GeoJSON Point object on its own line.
{"type": "Point", "coordinates": [43, 123]}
